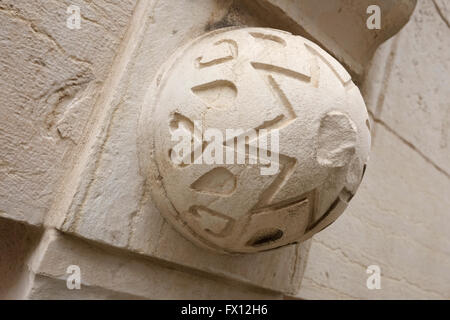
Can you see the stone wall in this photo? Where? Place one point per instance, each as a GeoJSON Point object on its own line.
{"type": "Point", "coordinates": [71, 192]}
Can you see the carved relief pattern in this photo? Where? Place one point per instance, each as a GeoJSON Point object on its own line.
{"type": "Point", "coordinates": [213, 207]}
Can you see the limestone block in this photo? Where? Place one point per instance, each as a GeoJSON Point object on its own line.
{"type": "Point", "coordinates": [50, 78]}
{"type": "Point", "coordinates": [443, 9]}
{"type": "Point", "coordinates": [265, 83]}
{"type": "Point", "coordinates": [107, 274]}
{"type": "Point", "coordinates": [339, 26]}
{"type": "Point", "coordinates": [398, 220]}
{"type": "Point", "coordinates": [416, 97]}
{"type": "Point", "coordinates": [105, 198]}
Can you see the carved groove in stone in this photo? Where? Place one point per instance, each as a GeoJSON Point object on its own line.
{"type": "Point", "coordinates": [315, 72]}
{"type": "Point", "coordinates": [291, 217]}
{"type": "Point", "coordinates": [229, 52]}
{"type": "Point", "coordinates": [334, 211]}
{"type": "Point", "coordinates": [288, 166]}
{"type": "Point", "coordinates": [265, 236]}
{"type": "Point", "coordinates": [218, 181]}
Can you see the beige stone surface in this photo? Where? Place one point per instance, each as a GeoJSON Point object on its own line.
{"type": "Point", "coordinates": [51, 76]}
{"type": "Point", "coordinates": [105, 199]}
{"type": "Point", "coordinates": [376, 79]}
{"type": "Point", "coordinates": [416, 99]}
{"type": "Point", "coordinates": [110, 274]}
{"type": "Point", "coordinates": [17, 243]}
{"type": "Point", "coordinates": [399, 218]}
{"type": "Point", "coordinates": [339, 26]}
{"type": "Point", "coordinates": [68, 126]}
{"type": "Point", "coordinates": [266, 83]}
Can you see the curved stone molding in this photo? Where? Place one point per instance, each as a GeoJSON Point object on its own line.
{"type": "Point", "coordinates": [340, 26]}
{"type": "Point", "coordinates": [268, 83]}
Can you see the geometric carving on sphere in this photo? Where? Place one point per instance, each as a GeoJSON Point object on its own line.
{"type": "Point", "coordinates": [337, 139]}
{"type": "Point", "coordinates": [266, 82]}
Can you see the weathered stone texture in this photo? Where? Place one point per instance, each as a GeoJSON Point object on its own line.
{"type": "Point", "coordinates": [398, 217]}
{"type": "Point", "coordinates": [340, 26]}
{"type": "Point", "coordinates": [107, 274]}
{"type": "Point", "coordinates": [110, 205]}
{"type": "Point", "coordinates": [416, 102]}
{"type": "Point", "coordinates": [398, 220]}
{"type": "Point", "coordinates": [51, 76]}
{"type": "Point", "coordinates": [17, 243]}
{"type": "Point", "coordinates": [69, 111]}
{"type": "Point", "coordinates": [272, 80]}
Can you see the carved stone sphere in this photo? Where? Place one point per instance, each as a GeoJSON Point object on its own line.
{"type": "Point", "coordinates": [251, 139]}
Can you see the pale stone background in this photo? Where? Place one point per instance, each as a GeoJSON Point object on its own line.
{"type": "Point", "coordinates": [68, 162]}
{"type": "Point", "coordinates": [400, 216]}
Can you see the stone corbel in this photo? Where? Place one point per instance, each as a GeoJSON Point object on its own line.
{"type": "Point", "coordinates": [272, 68]}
